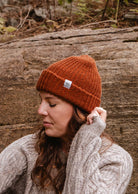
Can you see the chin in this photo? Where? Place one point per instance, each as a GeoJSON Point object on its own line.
{"type": "Point", "coordinates": [49, 133]}
{"type": "Point", "coordinates": [52, 135]}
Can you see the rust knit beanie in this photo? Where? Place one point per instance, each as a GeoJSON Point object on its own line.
{"type": "Point", "coordinates": [75, 79]}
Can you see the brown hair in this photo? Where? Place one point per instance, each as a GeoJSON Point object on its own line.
{"type": "Point", "coordinates": [49, 154]}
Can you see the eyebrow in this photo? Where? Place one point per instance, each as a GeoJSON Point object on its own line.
{"type": "Point", "coordinates": [48, 97]}
{"type": "Point", "coordinates": [52, 98]}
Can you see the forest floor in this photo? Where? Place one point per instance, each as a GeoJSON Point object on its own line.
{"type": "Point", "coordinates": [31, 25]}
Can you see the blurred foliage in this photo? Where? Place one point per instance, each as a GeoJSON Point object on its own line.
{"type": "Point", "coordinates": [61, 14]}
{"type": "Point", "coordinates": [4, 29]}
{"type": "Point", "coordinates": [2, 21]}
{"type": "Point", "coordinates": [6, 32]}
{"type": "Point", "coordinates": [9, 29]}
{"type": "Point", "coordinates": [134, 10]}
{"type": "Point", "coordinates": [126, 1]}
{"type": "Point", "coordinates": [62, 2]}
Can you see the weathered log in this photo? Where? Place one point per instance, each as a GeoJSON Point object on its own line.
{"type": "Point", "coordinates": [115, 52]}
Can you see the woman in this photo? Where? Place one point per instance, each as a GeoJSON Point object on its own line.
{"type": "Point", "coordinates": [70, 154]}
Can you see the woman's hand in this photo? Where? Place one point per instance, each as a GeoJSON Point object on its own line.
{"type": "Point", "coordinates": [98, 111]}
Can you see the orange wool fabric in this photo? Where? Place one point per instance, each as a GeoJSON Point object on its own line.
{"type": "Point", "coordinates": [75, 79]}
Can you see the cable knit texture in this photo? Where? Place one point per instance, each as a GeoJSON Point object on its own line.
{"type": "Point", "coordinates": [92, 167]}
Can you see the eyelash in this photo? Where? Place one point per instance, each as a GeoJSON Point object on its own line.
{"type": "Point", "coordinates": [52, 105]}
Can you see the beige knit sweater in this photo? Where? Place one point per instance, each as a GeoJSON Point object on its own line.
{"type": "Point", "coordinates": [93, 166]}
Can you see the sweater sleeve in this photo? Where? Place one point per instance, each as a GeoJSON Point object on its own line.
{"type": "Point", "coordinates": [86, 173]}
{"type": "Point", "coordinates": [12, 165]}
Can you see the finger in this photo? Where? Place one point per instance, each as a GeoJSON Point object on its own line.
{"type": "Point", "coordinates": [102, 112]}
{"type": "Point", "coordinates": [89, 120]}
{"type": "Point", "coordinates": [91, 115]}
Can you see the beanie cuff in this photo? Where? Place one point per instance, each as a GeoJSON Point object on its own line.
{"type": "Point", "coordinates": [53, 83]}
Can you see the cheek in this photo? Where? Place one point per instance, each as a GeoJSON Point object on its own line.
{"type": "Point", "coordinates": [64, 117]}
{"type": "Point", "coordinates": [67, 116]}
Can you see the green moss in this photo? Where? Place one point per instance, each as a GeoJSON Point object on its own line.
{"type": "Point", "coordinates": [9, 29]}
{"type": "Point", "coordinates": [114, 25]}
{"type": "Point", "coordinates": [2, 21]}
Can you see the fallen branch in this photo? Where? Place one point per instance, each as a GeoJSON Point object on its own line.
{"type": "Point", "coordinates": [95, 23]}
{"type": "Point", "coordinates": [24, 20]}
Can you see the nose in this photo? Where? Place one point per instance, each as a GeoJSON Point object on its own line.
{"type": "Point", "coordinates": [42, 110]}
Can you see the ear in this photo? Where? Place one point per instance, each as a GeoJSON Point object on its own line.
{"type": "Point", "coordinates": [81, 115]}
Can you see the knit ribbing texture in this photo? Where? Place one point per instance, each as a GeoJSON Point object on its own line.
{"type": "Point", "coordinates": [82, 77]}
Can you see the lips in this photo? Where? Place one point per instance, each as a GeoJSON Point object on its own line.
{"type": "Point", "coordinates": [47, 124]}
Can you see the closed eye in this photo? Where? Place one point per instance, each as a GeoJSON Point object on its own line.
{"type": "Point", "coordinates": [52, 105]}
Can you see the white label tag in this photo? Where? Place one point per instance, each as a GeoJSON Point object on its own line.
{"type": "Point", "coordinates": [67, 83]}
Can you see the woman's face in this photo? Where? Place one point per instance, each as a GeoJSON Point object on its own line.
{"type": "Point", "coordinates": [56, 114]}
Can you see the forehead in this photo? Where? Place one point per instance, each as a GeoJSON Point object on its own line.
{"type": "Point", "coordinates": [47, 95]}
